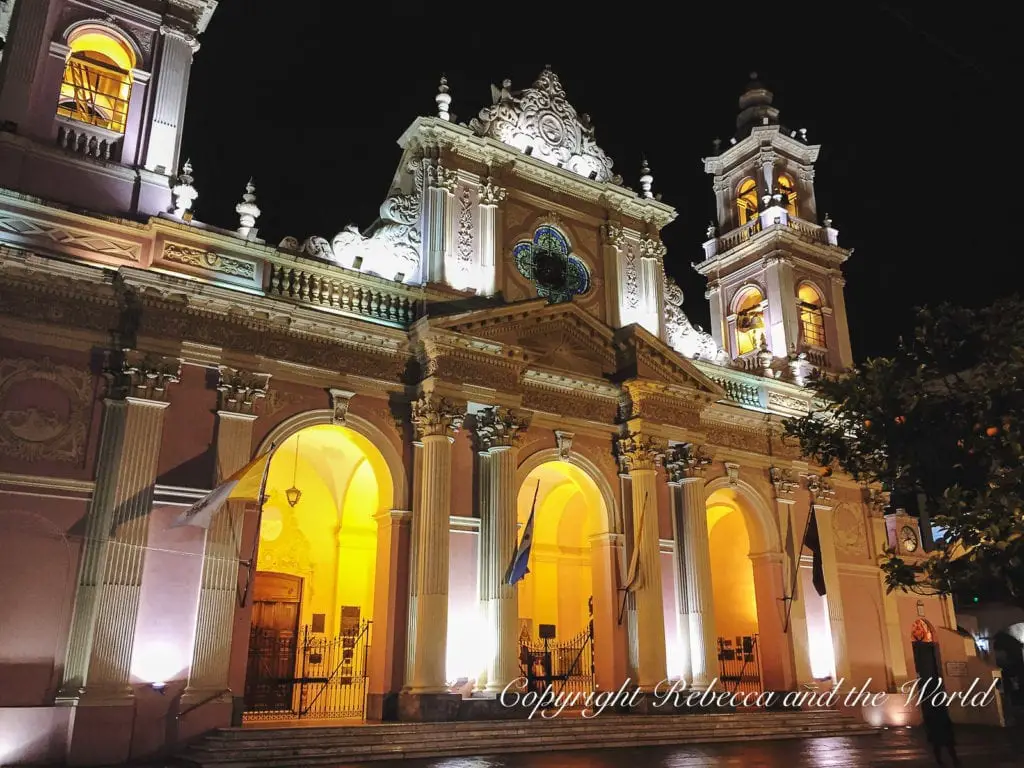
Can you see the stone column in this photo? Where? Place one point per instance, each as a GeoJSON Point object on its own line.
{"type": "Point", "coordinates": [895, 658]}
{"type": "Point", "coordinates": [647, 643]}
{"type": "Point", "coordinates": [822, 503]}
{"type": "Point", "coordinates": [677, 473]}
{"type": "Point", "coordinates": [102, 636]}
{"type": "Point", "coordinates": [613, 240]}
{"type": "Point", "coordinates": [491, 195]}
{"type": "Point", "coordinates": [173, 68]}
{"type": "Point", "coordinates": [211, 654]}
{"type": "Point", "coordinates": [500, 432]}
{"type": "Point", "coordinates": [436, 421]}
{"type": "Point", "coordinates": [792, 537]}
{"type": "Point", "coordinates": [842, 338]}
{"type": "Point", "coordinates": [441, 184]}
{"type": "Point", "coordinates": [687, 464]}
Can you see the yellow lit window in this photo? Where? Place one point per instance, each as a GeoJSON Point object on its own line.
{"type": "Point", "coordinates": [749, 321]}
{"type": "Point", "coordinates": [97, 80]}
{"type": "Point", "coordinates": [746, 201]}
{"type": "Point", "coordinates": [812, 325]}
{"type": "Point", "coordinates": [788, 190]}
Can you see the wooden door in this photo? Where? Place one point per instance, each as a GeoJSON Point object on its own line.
{"type": "Point", "coordinates": [273, 642]}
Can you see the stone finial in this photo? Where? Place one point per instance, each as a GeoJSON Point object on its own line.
{"type": "Point", "coordinates": [248, 212]}
{"type": "Point", "coordinates": [184, 193]}
{"type": "Point", "coordinates": [711, 231]}
{"type": "Point", "coordinates": [828, 221]}
{"type": "Point", "coordinates": [443, 100]}
{"type": "Point", "coordinates": [646, 180]}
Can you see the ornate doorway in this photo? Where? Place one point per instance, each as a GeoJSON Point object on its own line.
{"type": "Point", "coordinates": [273, 642]}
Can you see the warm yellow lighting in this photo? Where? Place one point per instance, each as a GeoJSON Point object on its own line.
{"type": "Point", "coordinates": [788, 190]}
{"type": "Point", "coordinates": [271, 524]}
{"type": "Point", "coordinates": [746, 201]}
{"type": "Point", "coordinates": [812, 324]}
{"type": "Point", "coordinates": [749, 320]}
{"type": "Point", "coordinates": [732, 575]}
{"type": "Point", "coordinates": [293, 495]}
{"type": "Point", "coordinates": [97, 80]}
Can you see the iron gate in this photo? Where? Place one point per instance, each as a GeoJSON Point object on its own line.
{"type": "Point", "coordinates": [739, 664]}
{"type": "Point", "coordinates": [316, 678]}
{"type": "Point", "coordinates": [567, 666]}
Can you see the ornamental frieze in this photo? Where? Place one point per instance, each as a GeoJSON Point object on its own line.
{"type": "Point", "coordinates": [214, 262]}
{"type": "Point", "coordinates": [469, 370]}
{"type": "Point", "coordinates": [573, 404]}
{"type": "Point", "coordinates": [45, 410]}
{"type": "Point", "coordinates": [674, 411]}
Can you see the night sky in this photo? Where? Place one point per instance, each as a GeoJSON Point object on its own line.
{"type": "Point", "coordinates": [912, 108]}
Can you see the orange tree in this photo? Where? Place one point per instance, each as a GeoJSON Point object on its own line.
{"type": "Point", "coordinates": [939, 420]}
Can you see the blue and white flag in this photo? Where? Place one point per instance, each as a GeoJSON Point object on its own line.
{"type": "Point", "coordinates": [519, 566]}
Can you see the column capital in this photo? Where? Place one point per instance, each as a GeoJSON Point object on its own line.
{"type": "Point", "coordinates": [638, 451]}
{"type": "Point", "coordinates": [140, 376]}
{"type": "Point", "coordinates": [877, 501]}
{"type": "Point", "coordinates": [822, 492]}
{"type": "Point", "coordinates": [184, 36]}
{"type": "Point", "coordinates": [340, 399]}
{"type": "Point", "coordinates": [785, 481]}
{"type": "Point", "coordinates": [441, 177]}
{"type": "Point", "coordinates": [491, 194]}
{"type": "Point", "coordinates": [686, 462]}
{"type": "Point", "coordinates": [613, 234]}
{"type": "Point", "coordinates": [436, 416]}
{"type": "Point", "coordinates": [498, 427]}
{"type": "Point", "coordinates": [239, 390]}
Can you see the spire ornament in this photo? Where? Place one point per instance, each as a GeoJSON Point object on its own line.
{"type": "Point", "coordinates": [248, 212]}
{"type": "Point", "coordinates": [184, 193]}
{"type": "Point", "coordinates": [443, 100]}
{"type": "Point", "coordinates": [646, 180]}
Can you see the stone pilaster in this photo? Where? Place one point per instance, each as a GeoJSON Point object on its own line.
{"type": "Point", "coordinates": [491, 196]}
{"type": "Point", "coordinates": [21, 61]}
{"type": "Point", "coordinates": [173, 68]}
{"type": "Point", "coordinates": [822, 501]}
{"type": "Point", "coordinates": [686, 464]}
{"type": "Point", "coordinates": [640, 454]}
{"type": "Point", "coordinates": [500, 432]}
{"type": "Point", "coordinates": [102, 634]}
{"type": "Point", "coordinates": [211, 655]}
{"type": "Point", "coordinates": [441, 182]}
{"type": "Point", "coordinates": [895, 658]}
{"type": "Point", "coordinates": [436, 422]}
{"type": "Point", "coordinates": [786, 485]}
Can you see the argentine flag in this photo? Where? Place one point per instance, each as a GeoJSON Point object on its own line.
{"type": "Point", "coordinates": [518, 568]}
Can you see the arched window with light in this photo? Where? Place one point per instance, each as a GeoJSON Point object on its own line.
{"type": "Point", "coordinates": [97, 82]}
{"type": "Point", "coordinates": [812, 323]}
{"type": "Point", "coordinates": [749, 311]}
{"type": "Point", "coordinates": [746, 201]}
{"type": "Point", "coordinates": [788, 190]}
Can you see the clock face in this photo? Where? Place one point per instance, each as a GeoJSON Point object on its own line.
{"type": "Point", "coordinates": [908, 538]}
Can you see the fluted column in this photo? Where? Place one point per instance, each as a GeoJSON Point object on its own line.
{"type": "Point", "coordinates": [102, 634]}
{"type": "Point", "coordinates": [823, 505]}
{"type": "Point", "coordinates": [686, 466]}
{"type": "Point", "coordinates": [491, 195]}
{"type": "Point", "coordinates": [441, 183]}
{"type": "Point", "coordinates": [436, 421]}
{"type": "Point", "coordinates": [500, 431]}
{"type": "Point", "coordinates": [211, 654]}
{"type": "Point", "coordinates": [647, 644]}
{"type": "Point", "coordinates": [174, 65]}
{"type": "Point", "coordinates": [681, 463]}
{"type": "Point", "coordinates": [786, 485]}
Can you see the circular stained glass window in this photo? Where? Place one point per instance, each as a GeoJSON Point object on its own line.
{"type": "Point", "coordinates": [548, 261]}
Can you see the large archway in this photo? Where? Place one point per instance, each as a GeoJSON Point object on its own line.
{"type": "Point", "coordinates": [747, 581]}
{"type": "Point", "coordinates": [314, 589]}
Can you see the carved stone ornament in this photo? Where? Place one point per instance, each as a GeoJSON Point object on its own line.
{"type": "Point", "coordinates": [785, 482]}
{"type": "Point", "coordinates": [340, 399]}
{"type": "Point", "coordinates": [613, 234]}
{"type": "Point", "coordinates": [135, 374]}
{"type": "Point", "coordinates": [564, 440]}
{"type": "Point", "coordinates": [539, 121]}
{"type": "Point", "coordinates": [820, 488]}
{"type": "Point", "coordinates": [491, 193]}
{"type": "Point", "coordinates": [848, 531]}
{"type": "Point", "coordinates": [650, 248]}
{"type": "Point", "coordinates": [214, 262]}
{"type": "Point", "coordinates": [638, 452]}
{"type": "Point", "coordinates": [48, 234]}
{"type": "Point", "coordinates": [44, 410]}
{"type": "Point", "coordinates": [433, 416]}
{"type": "Point", "coordinates": [877, 500]}
{"type": "Point", "coordinates": [464, 246]}
{"type": "Point", "coordinates": [392, 246]}
{"type": "Point", "coordinates": [241, 390]}
{"type": "Point", "coordinates": [685, 461]}
{"type": "Point", "coordinates": [496, 427]}
{"type": "Point", "coordinates": [684, 337]}
{"type": "Point", "coordinates": [732, 471]}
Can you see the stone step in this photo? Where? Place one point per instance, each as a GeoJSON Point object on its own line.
{"type": "Point", "coordinates": [334, 746]}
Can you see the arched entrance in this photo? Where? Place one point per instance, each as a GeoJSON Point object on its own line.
{"type": "Point", "coordinates": [747, 580]}
{"type": "Point", "coordinates": [558, 601]}
{"type": "Point", "coordinates": [314, 588]}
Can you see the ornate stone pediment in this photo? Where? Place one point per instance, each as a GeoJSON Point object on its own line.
{"type": "Point", "coordinates": [644, 356]}
{"type": "Point", "coordinates": [560, 337]}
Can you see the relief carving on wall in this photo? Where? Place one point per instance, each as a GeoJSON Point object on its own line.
{"type": "Point", "coordinates": [289, 551]}
{"type": "Point", "coordinates": [45, 410]}
{"type": "Point", "coordinates": [572, 404]}
{"type": "Point", "coordinates": [197, 257]}
{"type": "Point", "coordinates": [848, 531]}
{"type": "Point", "coordinates": [464, 248]}
{"type": "Point", "coordinates": [277, 400]}
{"type": "Point", "coordinates": [24, 226]}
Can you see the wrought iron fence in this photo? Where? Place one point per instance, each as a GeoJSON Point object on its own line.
{"type": "Point", "coordinates": [318, 677]}
{"type": "Point", "coordinates": [739, 664]}
{"type": "Point", "coordinates": [567, 666]}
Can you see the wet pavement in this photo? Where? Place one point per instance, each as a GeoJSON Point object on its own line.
{"type": "Point", "coordinates": [979, 746]}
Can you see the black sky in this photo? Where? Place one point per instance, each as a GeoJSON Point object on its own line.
{"type": "Point", "coordinates": [920, 165]}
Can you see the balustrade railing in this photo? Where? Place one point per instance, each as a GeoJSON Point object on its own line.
{"type": "Point", "coordinates": [89, 140]}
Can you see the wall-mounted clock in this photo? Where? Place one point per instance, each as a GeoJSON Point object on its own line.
{"type": "Point", "coordinates": [908, 538]}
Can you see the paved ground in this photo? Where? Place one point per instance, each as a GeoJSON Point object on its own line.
{"type": "Point", "coordinates": [905, 748]}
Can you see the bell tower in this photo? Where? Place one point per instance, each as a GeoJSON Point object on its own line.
{"type": "Point", "coordinates": [774, 274]}
{"type": "Point", "coordinates": [92, 100]}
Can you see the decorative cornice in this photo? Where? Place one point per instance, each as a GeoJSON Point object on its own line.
{"type": "Point", "coordinates": [241, 390]}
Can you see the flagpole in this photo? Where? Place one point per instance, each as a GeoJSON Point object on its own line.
{"type": "Point", "coordinates": [251, 563]}
{"type": "Point", "coordinates": [796, 568]}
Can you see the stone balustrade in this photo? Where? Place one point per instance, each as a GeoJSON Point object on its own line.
{"type": "Point", "coordinates": [88, 140]}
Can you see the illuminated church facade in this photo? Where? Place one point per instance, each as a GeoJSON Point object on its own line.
{"type": "Point", "coordinates": [503, 335]}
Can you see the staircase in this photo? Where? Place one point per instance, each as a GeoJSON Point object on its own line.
{"type": "Point", "coordinates": [295, 747]}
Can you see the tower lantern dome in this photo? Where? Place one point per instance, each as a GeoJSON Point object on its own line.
{"type": "Point", "coordinates": [755, 107]}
